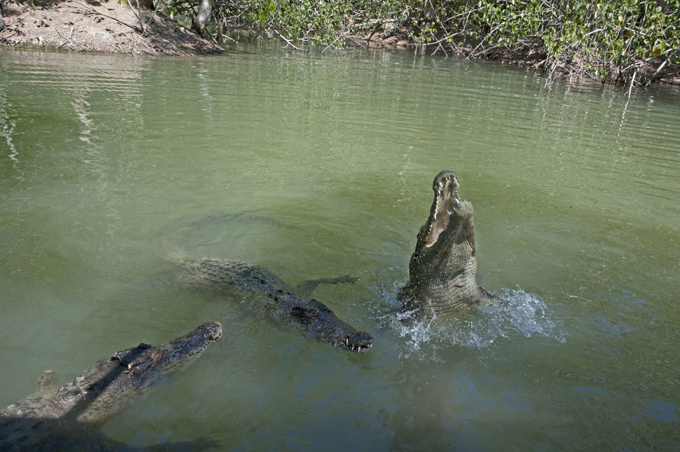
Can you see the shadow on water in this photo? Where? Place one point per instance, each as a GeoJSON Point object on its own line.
{"type": "Point", "coordinates": [61, 435]}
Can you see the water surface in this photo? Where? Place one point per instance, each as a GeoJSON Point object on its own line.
{"type": "Point", "coordinates": [317, 165]}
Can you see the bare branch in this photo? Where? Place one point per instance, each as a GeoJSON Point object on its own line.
{"type": "Point", "coordinates": [288, 41]}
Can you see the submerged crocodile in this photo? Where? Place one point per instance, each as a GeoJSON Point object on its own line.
{"type": "Point", "coordinates": [266, 292]}
{"type": "Point", "coordinates": [55, 418]}
{"type": "Point", "coordinates": [443, 267]}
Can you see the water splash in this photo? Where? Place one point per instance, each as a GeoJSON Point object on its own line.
{"type": "Point", "coordinates": [524, 314]}
{"type": "Point", "coordinates": [529, 315]}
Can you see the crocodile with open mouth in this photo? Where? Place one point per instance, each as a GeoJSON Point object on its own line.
{"type": "Point", "coordinates": [443, 267]}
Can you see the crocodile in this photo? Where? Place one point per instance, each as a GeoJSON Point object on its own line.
{"type": "Point", "coordinates": [442, 276]}
{"type": "Point", "coordinates": [443, 267]}
{"type": "Point", "coordinates": [267, 293]}
{"type": "Point", "coordinates": [55, 418]}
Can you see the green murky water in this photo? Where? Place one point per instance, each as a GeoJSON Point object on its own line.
{"type": "Point", "coordinates": [321, 165]}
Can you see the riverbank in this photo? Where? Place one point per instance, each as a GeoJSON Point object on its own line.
{"type": "Point", "coordinates": [107, 26]}
{"type": "Point", "coordinates": [641, 72]}
{"type": "Point", "coordinates": [111, 26]}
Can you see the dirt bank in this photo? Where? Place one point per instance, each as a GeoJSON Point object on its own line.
{"type": "Point", "coordinates": [97, 26]}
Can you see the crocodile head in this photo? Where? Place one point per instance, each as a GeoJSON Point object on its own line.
{"type": "Point", "coordinates": [144, 360]}
{"type": "Point", "coordinates": [114, 383]}
{"type": "Point", "coordinates": [443, 266]}
{"type": "Point", "coordinates": [321, 323]}
{"type": "Point", "coordinates": [41, 420]}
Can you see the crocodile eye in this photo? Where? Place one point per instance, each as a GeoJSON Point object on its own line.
{"type": "Point", "coordinates": [304, 313]}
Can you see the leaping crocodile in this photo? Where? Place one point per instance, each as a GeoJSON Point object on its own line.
{"type": "Point", "coordinates": [53, 417]}
{"type": "Point", "coordinates": [443, 267]}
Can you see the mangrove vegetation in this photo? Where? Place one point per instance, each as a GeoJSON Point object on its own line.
{"type": "Point", "coordinates": [625, 41]}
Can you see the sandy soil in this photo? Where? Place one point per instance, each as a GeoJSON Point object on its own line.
{"type": "Point", "coordinates": [97, 26]}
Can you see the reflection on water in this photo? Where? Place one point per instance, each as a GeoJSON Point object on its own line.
{"type": "Point", "coordinates": [321, 165]}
